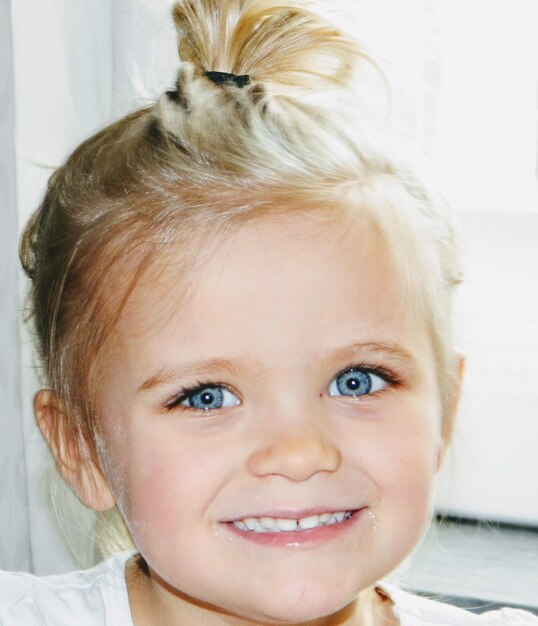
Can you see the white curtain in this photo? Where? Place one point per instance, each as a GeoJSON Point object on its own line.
{"type": "Point", "coordinates": [14, 526]}
{"type": "Point", "coordinates": [466, 96]}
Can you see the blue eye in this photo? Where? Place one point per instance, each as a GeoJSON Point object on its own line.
{"type": "Point", "coordinates": [355, 382]}
{"type": "Point", "coordinates": [207, 397]}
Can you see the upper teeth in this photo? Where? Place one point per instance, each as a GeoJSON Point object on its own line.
{"type": "Point", "coordinates": [277, 524]}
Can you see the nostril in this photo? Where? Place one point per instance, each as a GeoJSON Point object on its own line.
{"type": "Point", "coordinates": [296, 456]}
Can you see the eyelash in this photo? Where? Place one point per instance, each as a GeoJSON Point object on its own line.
{"type": "Point", "coordinates": [187, 392]}
{"type": "Point", "coordinates": [387, 375]}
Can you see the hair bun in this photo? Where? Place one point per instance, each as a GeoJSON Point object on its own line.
{"type": "Point", "coordinates": [259, 78]}
{"type": "Point", "coordinates": [279, 43]}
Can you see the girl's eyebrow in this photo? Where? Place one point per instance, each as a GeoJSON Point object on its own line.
{"type": "Point", "coordinates": [168, 375]}
{"type": "Point", "coordinates": [193, 368]}
{"type": "Point", "coordinates": [373, 348]}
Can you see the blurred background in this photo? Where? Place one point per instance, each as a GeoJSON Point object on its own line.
{"type": "Point", "coordinates": [464, 79]}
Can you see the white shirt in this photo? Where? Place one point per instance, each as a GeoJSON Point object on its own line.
{"type": "Point", "coordinates": [94, 597]}
{"type": "Point", "coordinates": [98, 597]}
{"type": "Point", "coordinates": [416, 611]}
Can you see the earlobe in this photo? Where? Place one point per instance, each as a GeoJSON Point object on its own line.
{"type": "Point", "coordinates": [71, 451]}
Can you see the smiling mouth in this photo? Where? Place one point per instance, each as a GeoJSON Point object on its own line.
{"type": "Point", "coordinates": [289, 525]}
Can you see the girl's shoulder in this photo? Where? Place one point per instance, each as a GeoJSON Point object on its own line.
{"type": "Point", "coordinates": [413, 610]}
{"type": "Point", "coordinates": [92, 597]}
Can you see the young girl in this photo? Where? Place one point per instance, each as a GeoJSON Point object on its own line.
{"type": "Point", "coordinates": [243, 308]}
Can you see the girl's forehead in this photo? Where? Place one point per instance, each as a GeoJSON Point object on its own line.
{"type": "Point", "coordinates": [285, 274]}
{"type": "Point", "coordinates": [263, 250]}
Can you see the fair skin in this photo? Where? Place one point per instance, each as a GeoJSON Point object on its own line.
{"type": "Point", "coordinates": [322, 397]}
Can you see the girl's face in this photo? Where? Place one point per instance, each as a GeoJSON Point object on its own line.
{"type": "Point", "coordinates": [272, 437]}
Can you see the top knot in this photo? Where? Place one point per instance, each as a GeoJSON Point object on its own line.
{"type": "Point", "coordinates": [281, 69]}
{"type": "Point", "coordinates": [279, 43]}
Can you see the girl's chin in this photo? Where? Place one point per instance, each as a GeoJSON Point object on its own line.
{"type": "Point", "coordinates": [287, 597]}
{"type": "Point", "coordinates": [307, 605]}
{"type": "Point", "coordinates": [291, 604]}
{"type": "Point", "coordinates": [294, 617]}
{"type": "Point", "coordinates": [299, 606]}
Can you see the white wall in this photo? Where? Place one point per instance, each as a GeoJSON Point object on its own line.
{"type": "Point", "coordinates": [493, 468]}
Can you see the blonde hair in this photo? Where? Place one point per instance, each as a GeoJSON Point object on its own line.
{"type": "Point", "coordinates": [203, 159]}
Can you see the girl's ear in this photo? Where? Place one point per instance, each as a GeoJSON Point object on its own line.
{"type": "Point", "coordinates": [74, 458]}
{"type": "Point", "coordinates": [449, 419]}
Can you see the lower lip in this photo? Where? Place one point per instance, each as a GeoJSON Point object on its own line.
{"type": "Point", "coordinates": [298, 539]}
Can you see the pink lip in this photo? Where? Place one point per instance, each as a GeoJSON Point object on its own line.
{"type": "Point", "coordinates": [297, 539]}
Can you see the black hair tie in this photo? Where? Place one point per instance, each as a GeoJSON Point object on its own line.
{"type": "Point", "coordinates": [222, 78]}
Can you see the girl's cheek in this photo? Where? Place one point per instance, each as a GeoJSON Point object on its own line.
{"type": "Point", "coordinates": [403, 460]}
{"type": "Point", "coordinates": [165, 472]}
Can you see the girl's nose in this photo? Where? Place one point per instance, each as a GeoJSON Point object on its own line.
{"type": "Point", "coordinates": [295, 454]}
